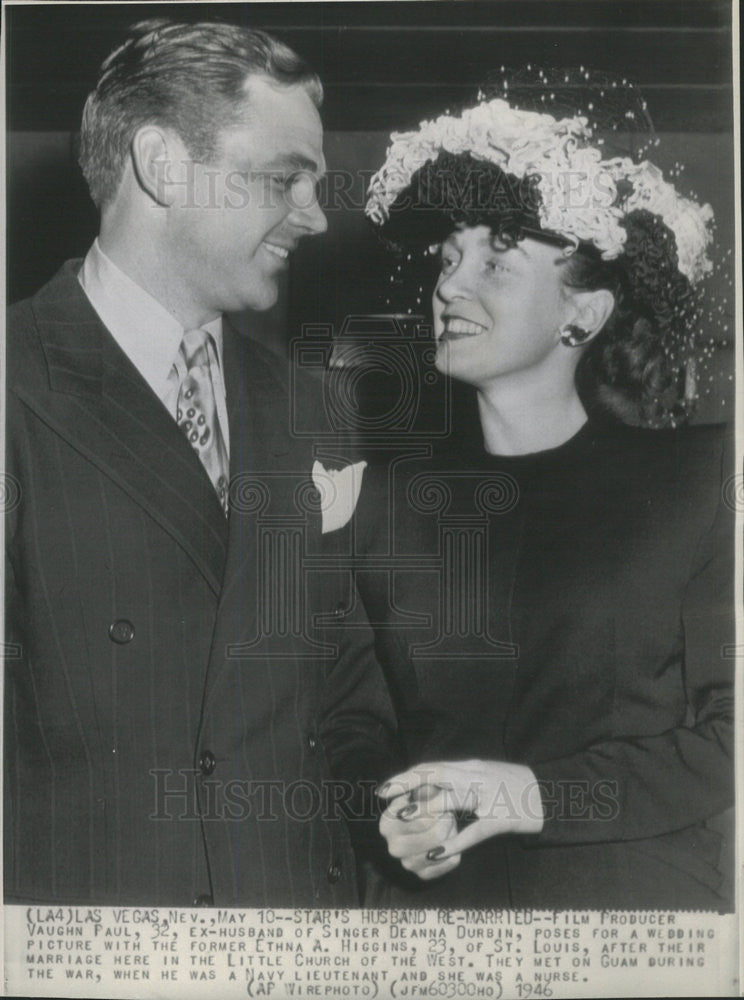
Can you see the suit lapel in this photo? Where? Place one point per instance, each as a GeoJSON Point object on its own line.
{"type": "Point", "coordinates": [258, 406]}
{"type": "Point", "coordinates": [260, 452]}
{"type": "Point", "coordinates": [105, 409]}
{"type": "Point", "coordinates": [269, 469]}
{"type": "Point", "coordinates": [263, 448]}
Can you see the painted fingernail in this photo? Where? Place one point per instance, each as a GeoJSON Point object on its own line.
{"type": "Point", "coordinates": [435, 853]}
{"type": "Point", "coordinates": [406, 811]}
{"type": "Point", "coordinates": [384, 789]}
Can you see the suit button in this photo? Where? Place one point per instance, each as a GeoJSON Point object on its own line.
{"type": "Point", "coordinates": [207, 762]}
{"type": "Point", "coordinates": [121, 631]}
{"type": "Point", "coordinates": [334, 873]}
{"type": "Point", "coordinates": [204, 900]}
{"type": "Point", "coordinates": [312, 741]}
{"type": "Point", "coordinates": [340, 610]}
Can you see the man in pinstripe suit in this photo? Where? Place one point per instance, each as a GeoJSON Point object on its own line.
{"type": "Point", "coordinates": [164, 721]}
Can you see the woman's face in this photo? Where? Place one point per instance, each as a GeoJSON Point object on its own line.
{"type": "Point", "coordinates": [498, 311]}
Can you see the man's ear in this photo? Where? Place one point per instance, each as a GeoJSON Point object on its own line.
{"type": "Point", "coordinates": [154, 164]}
{"type": "Point", "coordinates": [592, 309]}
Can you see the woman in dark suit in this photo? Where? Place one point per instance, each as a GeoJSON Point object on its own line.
{"type": "Point", "coordinates": [554, 635]}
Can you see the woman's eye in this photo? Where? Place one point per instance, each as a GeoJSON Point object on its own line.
{"type": "Point", "coordinates": [495, 267]}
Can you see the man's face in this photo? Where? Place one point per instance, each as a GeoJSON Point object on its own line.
{"type": "Point", "coordinates": [237, 219]}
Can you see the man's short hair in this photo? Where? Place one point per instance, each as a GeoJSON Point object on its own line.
{"type": "Point", "coordinates": [188, 77]}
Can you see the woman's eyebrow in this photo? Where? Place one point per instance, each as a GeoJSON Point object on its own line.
{"type": "Point", "coordinates": [500, 247]}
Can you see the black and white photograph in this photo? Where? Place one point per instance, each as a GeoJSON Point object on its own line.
{"type": "Point", "coordinates": [372, 499]}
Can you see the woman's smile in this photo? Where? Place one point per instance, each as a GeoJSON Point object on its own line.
{"type": "Point", "coordinates": [455, 328]}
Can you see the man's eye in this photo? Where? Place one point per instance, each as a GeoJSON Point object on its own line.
{"type": "Point", "coordinates": [304, 188]}
{"type": "Point", "coordinates": [299, 189]}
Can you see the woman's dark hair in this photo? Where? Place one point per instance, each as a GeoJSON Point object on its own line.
{"type": "Point", "coordinates": [636, 367]}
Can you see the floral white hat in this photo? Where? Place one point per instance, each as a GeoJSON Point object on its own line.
{"type": "Point", "coordinates": [581, 196]}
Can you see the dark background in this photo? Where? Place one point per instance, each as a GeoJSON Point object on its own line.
{"type": "Point", "coordinates": [385, 66]}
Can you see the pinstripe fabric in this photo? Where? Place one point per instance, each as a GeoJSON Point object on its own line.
{"type": "Point", "coordinates": [118, 522]}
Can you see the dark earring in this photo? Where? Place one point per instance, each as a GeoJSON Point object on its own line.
{"type": "Point", "coordinates": [574, 336]}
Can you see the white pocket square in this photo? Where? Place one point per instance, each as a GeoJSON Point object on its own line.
{"type": "Point", "coordinates": [339, 491]}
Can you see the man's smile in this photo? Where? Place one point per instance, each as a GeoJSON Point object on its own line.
{"type": "Point", "coordinates": [281, 252]}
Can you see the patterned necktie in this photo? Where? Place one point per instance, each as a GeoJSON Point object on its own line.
{"type": "Point", "coordinates": [196, 411]}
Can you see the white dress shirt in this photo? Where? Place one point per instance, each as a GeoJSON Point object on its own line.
{"type": "Point", "coordinates": [148, 334]}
